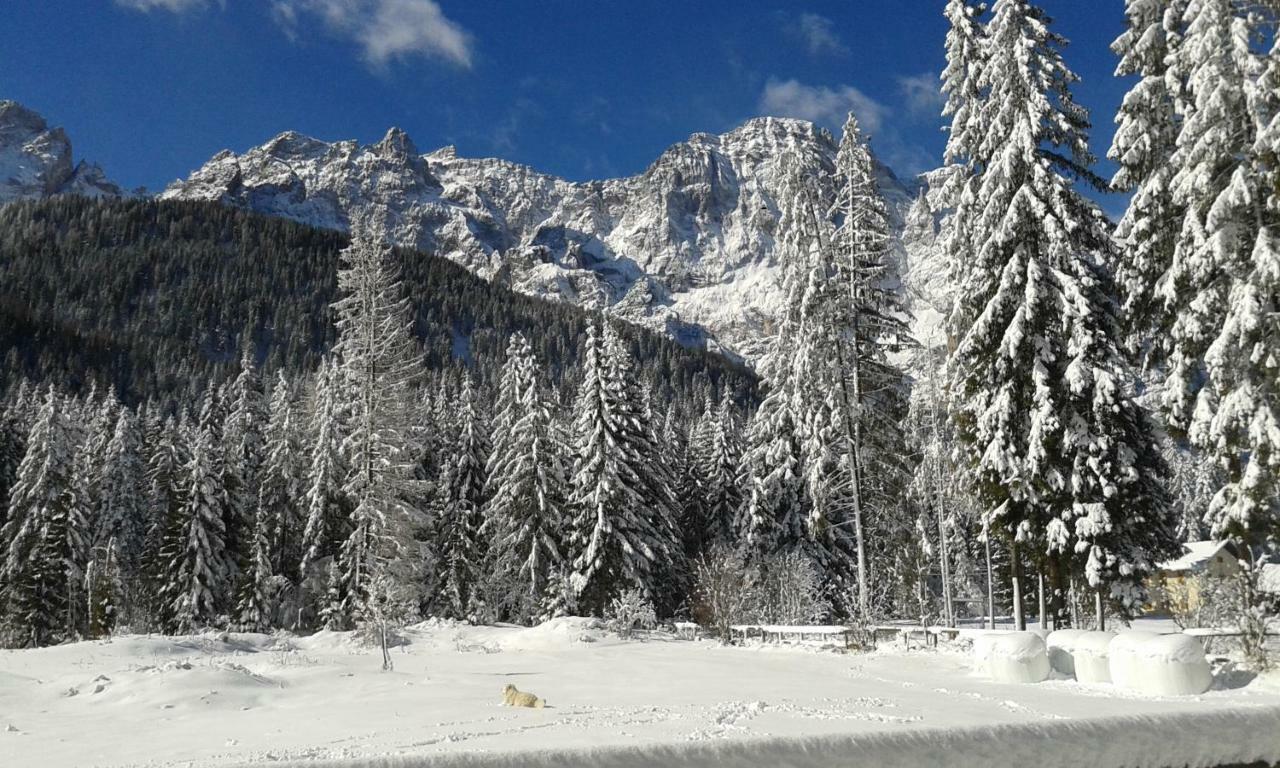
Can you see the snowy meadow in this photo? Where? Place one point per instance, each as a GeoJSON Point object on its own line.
{"type": "Point", "coordinates": [228, 699]}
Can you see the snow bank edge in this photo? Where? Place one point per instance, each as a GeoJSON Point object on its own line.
{"type": "Point", "coordinates": [1168, 740]}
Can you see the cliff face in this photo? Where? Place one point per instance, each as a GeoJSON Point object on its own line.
{"type": "Point", "coordinates": [685, 248]}
{"type": "Point", "coordinates": [36, 160]}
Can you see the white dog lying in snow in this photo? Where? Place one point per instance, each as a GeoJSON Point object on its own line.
{"type": "Point", "coordinates": [516, 698]}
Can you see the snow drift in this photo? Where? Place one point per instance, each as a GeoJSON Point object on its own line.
{"type": "Point", "coordinates": [1204, 740]}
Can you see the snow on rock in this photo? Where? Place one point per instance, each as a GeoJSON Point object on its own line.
{"type": "Point", "coordinates": [1171, 665]}
{"type": "Point", "coordinates": [685, 248]}
{"type": "Point", "coordinates": [1092, 657]}
{"type": "Point", "coordinates": [1061, 645]}
{"type": "Point", "coordinates": [1017, 657]}
{"type": "Point", "coordinates": [1123, 660]}
{"type": "Point", "coordinates": [36, 160]}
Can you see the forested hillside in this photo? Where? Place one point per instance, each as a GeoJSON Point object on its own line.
{"type": "Point", "coordinates": [157, 299]}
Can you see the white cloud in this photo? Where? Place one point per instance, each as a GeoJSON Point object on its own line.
{"type": "Point", "coordinates": [817, 33]}
{"type": "Point", "coordinates": [384, 29]}
{"type": "Point", "coordinates": [922, 93]}
{"type": "Point", "coordinates": [173, 6]}
{"type": "Point", "coordinates": [822, 105]}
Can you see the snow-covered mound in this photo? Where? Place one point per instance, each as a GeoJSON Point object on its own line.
{"type": "Point", "coordinates": [1092, 657]}
{"type": "Point", "coordinates": [685, 248]}
{"type": "Point", "coordinates": [556, 634]}
{"type": "Point", "coordinates": [36, 161]}
{"type": "Point", "coordinates": [1062, 646]}
{"type": "Point", "coordinates": [1017, 657]}
{"type": "Point", "coordinates": [1172, 665]}
{"type": "Point", "coordinates": [1123, 661]}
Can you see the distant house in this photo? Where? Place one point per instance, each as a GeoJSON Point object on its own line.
{"type": "Point", "coordinates": [1176, 584]}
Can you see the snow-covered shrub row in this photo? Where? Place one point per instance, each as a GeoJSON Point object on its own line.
{"type": "Point", "coordinates": [784, 589]}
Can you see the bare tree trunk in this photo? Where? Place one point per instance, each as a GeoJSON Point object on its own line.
{"type": "Point", "coordinates": [1019, 619]}
{"type": "Point", "coordinates": [386, 656]}
{"type": "Point", "coordinates": [1101, 615]}
{"type": "Point", "coordinates": [991, 583]}
{"type": "Point", "coordinates": [1044, 615]}
{"type": "Point", "coordinates": [947, 605]}
{"type": "Point", "coordinates": [1073, 595]}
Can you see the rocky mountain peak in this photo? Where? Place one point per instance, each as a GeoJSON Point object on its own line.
{"type": "Point", "coordinates": [686, 247]}
{"type": "Point", "coordinates": [36, 161]}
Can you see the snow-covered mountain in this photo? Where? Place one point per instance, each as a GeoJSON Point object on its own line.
{"type": "Point", "coordinates": [36, 160]}
{"type": "Point", "coordinates": [685, 247]}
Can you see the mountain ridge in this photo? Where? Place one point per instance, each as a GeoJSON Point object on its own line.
{"type": "Point", "coordinates": [685, 247]}
{"type": "Point", "coordinates": [36, 161]}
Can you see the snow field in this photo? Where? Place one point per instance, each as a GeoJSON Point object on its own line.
{"type": "Point", "coordinates": [217, 700]}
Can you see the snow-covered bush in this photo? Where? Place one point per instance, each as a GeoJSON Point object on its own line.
{"type": "Point", "coordinates": [1092, 657]}
{"type": "Point", "coordinates": [723, 590]}
{"type": "Point", "coordinates": [789, 591]}
{"type": "Point", "coordinates": [631, 611]}
{"type": "Point", "coordinates": [386, 607]}
{"type": "Point", "coordinates": [1017, 657]}
{"type": "Point", "coordinates": [1170, 665]}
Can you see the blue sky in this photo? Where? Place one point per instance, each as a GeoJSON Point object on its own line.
{"type": "Point", "coordinates": [580, 88]}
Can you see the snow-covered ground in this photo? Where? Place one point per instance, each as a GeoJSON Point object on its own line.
{"type": "Point", "coordinates": [220, 700]}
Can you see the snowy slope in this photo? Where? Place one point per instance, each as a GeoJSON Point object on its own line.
{"type": "Point", "coordinates": [211, 700]}
{"type": "Point", "coordinates": [685, 248]}
{"type": "Point", "coordinates": [36, 161]}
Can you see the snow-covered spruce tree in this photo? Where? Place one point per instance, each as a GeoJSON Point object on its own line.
{"type": "Point", "coordinates": [1059, 453]}
{"type": "Point", "coordinates": [772, 475]}
{"type": "Point", "coordinates": [43, 539]}
{"type": "Point", "coordinates": [13, 439]}
{"type": "Point", "coordinates": [616, 540]}
{"type": "Point", "coordinates": [525, 514]}
{"type": "Point", "coordinates": [243, 452]}
{"type": "Point", "coordinates": [120, 525]}
{"type": "Point", "coordinates": [956, 189]}
{"type": "Point", "coordinates": [716, 460]}
{"type": "Point", "coordinates": [325, 502]}
{"type": "Point", "coordinates": [657, 483]}
{"type": "Point", "coordinates": [1143, 146]}
{"type": "Point", "coordinates": [460, 506]}
{"type": "Point", "coordinates": [1224, 382]}
{"type": "Point", "coordinates": [202, 572]}
{"type": "Point", "coordinates": [253, 604]}
{"type": "Point", "coordinates": [379, 363]}
{"type": "Point", "coordinates": [282, 490]}
{"type": "Point", "coordinates": [166, 484]}
{"type": "Point", "coordinates": [853, 299]}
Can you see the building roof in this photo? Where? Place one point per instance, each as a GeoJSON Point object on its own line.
{"type": "Point", "coordinates": [1195, 555]}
